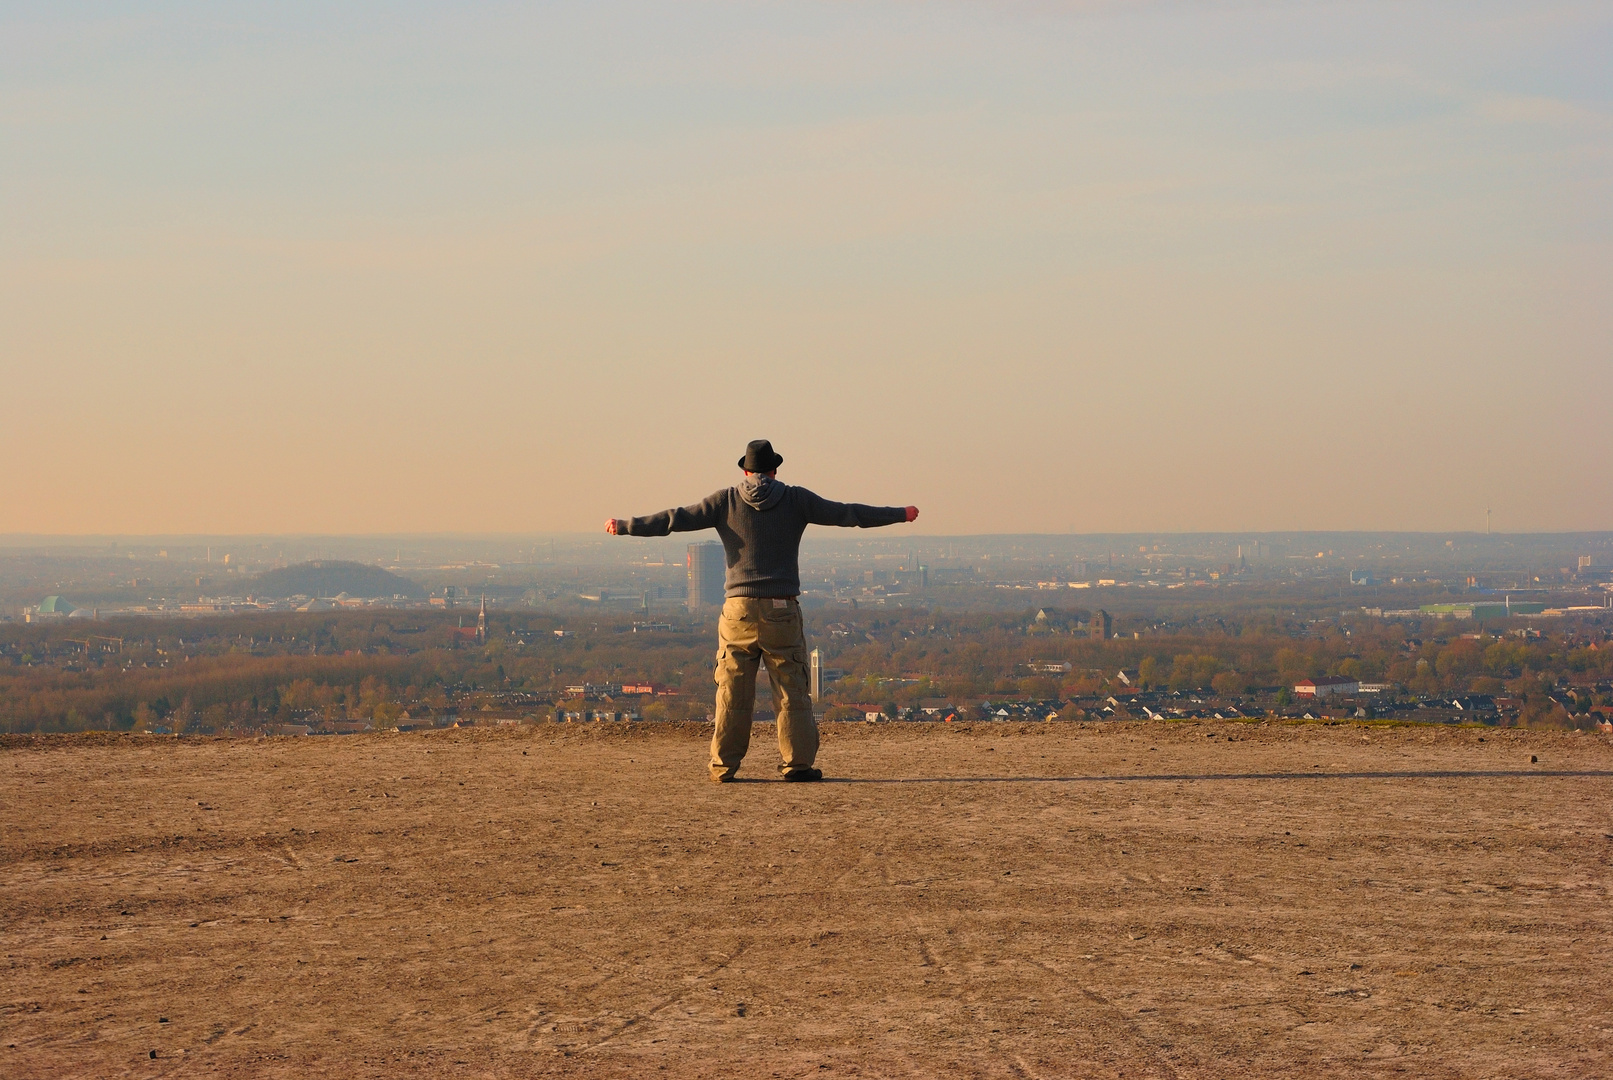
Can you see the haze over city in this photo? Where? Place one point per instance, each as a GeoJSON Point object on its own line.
{"type": "Point", "coordinates": [1075, 267]}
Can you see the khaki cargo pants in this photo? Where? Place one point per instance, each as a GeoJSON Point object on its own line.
{"type": "Point", "coordinates": [753, 630]}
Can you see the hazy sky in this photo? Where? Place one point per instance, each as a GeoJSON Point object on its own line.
{"type": "Point", "coordinates": [1031, 266]}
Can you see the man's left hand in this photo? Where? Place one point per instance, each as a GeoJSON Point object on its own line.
{"type": "Point", "coordinates": [912, 513]}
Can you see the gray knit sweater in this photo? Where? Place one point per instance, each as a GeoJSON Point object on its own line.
{"type": "Point", "coordinates": [763, 545]}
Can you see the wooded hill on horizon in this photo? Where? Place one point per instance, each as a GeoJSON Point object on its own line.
{"type": "Point", "coordinates": [332, 577]}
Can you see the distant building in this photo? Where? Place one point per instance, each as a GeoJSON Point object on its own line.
{"type": "Point", "coordinates": [1361, 577]}
{"type": "Point", "coordinates": [708, 569]}
{"type": "Point", "coordinates": [1327, 686]}
{"type": "Point", "coordinates": [1507, 608]}
{"type": "Point", "coordinates": [52, 608]}
{"type": "Point", "coordinates": [481, 622]}
{"type": "Point", "coordinates": [816, 689]}
{"type": "Point", "coordinates": [1102, 626]}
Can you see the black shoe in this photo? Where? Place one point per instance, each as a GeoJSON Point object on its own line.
{"type": "Point", "coordinates": [803, 776]}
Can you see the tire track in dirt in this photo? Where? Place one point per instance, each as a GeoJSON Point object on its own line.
{"type": "Point", "coordinates": [133, 845]}
{"type": "Point", "coordinates": [532, 1036]}
{"type": "Point", "coordinates": [1014, 1062]}
{"type": "Point", "coordinates": [1119, 1022]}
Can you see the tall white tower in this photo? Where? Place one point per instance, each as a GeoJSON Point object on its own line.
{"type": "Point", "coordinates": [817, 675]}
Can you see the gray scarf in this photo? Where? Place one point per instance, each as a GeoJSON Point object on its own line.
{"type": "Point", "coordinates": [761, 492]}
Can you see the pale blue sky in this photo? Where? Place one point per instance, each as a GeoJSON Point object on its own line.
{"type": "Point", "coordinates": [1034, 267]}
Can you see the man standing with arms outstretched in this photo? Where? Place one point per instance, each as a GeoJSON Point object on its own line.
{"type": "Point", "coordinates": [760, 521]}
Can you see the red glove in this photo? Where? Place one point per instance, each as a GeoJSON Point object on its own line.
{"type": "Point", "coordinates": [912, 512]}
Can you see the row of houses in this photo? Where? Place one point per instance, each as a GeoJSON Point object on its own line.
{"type": "Point", "coordinates": [612, 690]}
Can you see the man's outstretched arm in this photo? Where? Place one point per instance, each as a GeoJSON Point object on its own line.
{"type": "Point", "coordinates": [702, 515]}
{"type": "Point", "coordinates": [821, 511]}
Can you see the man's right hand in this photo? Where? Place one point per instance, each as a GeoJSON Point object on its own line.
{"type": "Point", "coordinates": [912, 513]}
{"type": "Point", "coordinates": [610, 525]}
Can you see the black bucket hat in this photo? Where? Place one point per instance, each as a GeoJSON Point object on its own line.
{"type": "Point", "coordinates": [759, 457]}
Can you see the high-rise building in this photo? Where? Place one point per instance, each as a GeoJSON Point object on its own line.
{"type": "Point", "coordinates": [817, 675]}
{"type": "Point", "coordinates": [708, 570]}
{"type": "Point", "coordinates": [1102, 626]}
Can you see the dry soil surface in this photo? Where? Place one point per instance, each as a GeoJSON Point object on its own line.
{"type": "Point", "coordinates": [1139, 900]}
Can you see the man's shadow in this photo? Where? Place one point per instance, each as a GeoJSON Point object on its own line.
{"type": "Point", "coordinates": [1110, 778]}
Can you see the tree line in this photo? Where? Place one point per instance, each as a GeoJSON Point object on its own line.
{"type": "Point", "coordinates": [239, 675]}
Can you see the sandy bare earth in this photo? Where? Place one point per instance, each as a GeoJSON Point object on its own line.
{"type": "Point", "coordinates": [1139, 900]}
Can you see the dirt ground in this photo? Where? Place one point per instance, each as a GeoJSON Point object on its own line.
{"type": "Point", "coordinates": [1051, 900]}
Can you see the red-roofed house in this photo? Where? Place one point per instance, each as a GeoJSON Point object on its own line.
{"type": "Point", "coordinates": [1327, 686]}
